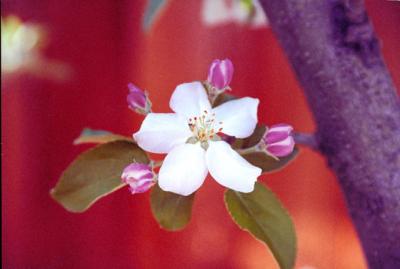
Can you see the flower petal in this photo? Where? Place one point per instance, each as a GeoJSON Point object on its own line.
{"type": "Point", "coordinates": [160, 132]}
{"type": "Point", "coordinates": [183, 170]}
{"type": "Point", "coordinates": [238, 117]}
{"type": "Point", "coordinates": [230, 169]}
{"type": "Point", "coordinates": [190, 100]}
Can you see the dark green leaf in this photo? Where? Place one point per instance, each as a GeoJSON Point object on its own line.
{"type": "Point", "coordinates": [223, 98]}
{"type": "Point", "coordinates": [172, 211]}
{"type": "Point", "coordinates": [95, 173]}
{"type": "Point", "coordinates": [98, 136]}
{"type": "Point", "coordinates": [255, 137]}
{"type": "Point", "coordinates": [262, 215]}
{"type": "Point", "coordinates": [267, 163]}
{"type": "Point", "coordinates": [153, 9]}
{"type": "Point", "coordinates": [251, 140]}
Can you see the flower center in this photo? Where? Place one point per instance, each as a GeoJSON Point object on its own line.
{"type": "Point", "coordinates": [204, 126]}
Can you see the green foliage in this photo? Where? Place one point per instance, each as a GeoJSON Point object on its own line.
{"type": "Point", "coordinates": [95, 174]}
{"type": "Point", "coordinates": [153, 9]}
{"type": "Point", "coordinates": [262, 215]}
{"type": "Point", "coordinates": [267, 163]}
{"type": "Point", "coordinates": [223, 98]}
{"type": "Point", "coordinates": [172, 211]}
{"type": "Point", "coordinates": [255, 138]}
{"type": "Point", "coordinates": [98, 136]}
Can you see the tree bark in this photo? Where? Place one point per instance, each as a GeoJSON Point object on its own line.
{"type": "Point", "coordinates": [336, 56]}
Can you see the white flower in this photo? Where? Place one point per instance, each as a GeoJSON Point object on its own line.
{"type": "Point", "coordinates": [189, 136]}
{"type": "Point", "coordinates": [220, 12]}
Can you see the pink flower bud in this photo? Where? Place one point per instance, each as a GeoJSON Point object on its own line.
{"type": "Point", "coordinates": [220, 73]}
{"type": "Point", "coordinates": [139, 177]}
{"type": "Point", "coordinates": [137, 100]}
{"type": "Point", "coordinates": [278, 140]}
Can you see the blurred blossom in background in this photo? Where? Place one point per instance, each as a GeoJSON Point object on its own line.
{"type": "Point", "coordinates": [21, 45]}
{"type": "Point", "coordinates": [45, 106]}
{"type": "Point", "coordinates": [240, 12]}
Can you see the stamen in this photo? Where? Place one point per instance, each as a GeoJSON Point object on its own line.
{"type": "Point", "coordinates": [202, 126]}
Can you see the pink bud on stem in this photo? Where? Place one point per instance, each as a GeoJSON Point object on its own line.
{"type": "Point", "coordinates": [278, 140]}
{"type": "Point", "coordinates": [220, 74]}
{"type": "Point", "coordinates": [139, 177]}
{"type": "Point", "coordinates": [138, 100]}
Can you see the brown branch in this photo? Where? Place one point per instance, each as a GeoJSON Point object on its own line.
{"type": "Point", "coordinates": [335, 54]}
{"type": "Point", "coordinates": [308, 140]}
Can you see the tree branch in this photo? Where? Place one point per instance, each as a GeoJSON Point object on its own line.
{"type": "Point", "coordinates": [308, 140]}
{"type": "Point", "coordinates": [336, 56]}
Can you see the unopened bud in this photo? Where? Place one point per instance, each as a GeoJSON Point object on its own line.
{"type": "Point", "coordinates": [220, 74]}
{"type": "Point", "coordinates": [278, 140]}
{"type": "Point", "coordinates": [139, 177]}
{"type": "Point", "coordinates": [138, 100]}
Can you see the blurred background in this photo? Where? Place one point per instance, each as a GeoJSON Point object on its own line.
{"type": "Point", "coordinates": [67, 67]}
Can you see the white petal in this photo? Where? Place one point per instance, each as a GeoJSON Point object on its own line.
{"type": "Point", "coordinates": [230, 169]}
{"type": "Point", "coordinates": [238, 117]}
{"type": "Point", "coordinates": [160, 132]}
{"type": "Point", "coordinates": [183, 170]}
{"type": "Point", "coordinates": [190, 100]}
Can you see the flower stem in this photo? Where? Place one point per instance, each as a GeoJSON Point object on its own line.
{"type": "Point", "coordinates": [247, 150]}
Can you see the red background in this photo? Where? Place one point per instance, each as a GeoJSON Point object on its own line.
{"type": "Point", "coordinates": [102, 41]}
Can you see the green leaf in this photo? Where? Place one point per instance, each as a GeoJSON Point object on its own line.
{"type": "Point", "coordinates": [251, 140]}
{"type": "Point", "coordinates": [172, 211]}
{"type": "Point", "coordinates": [223, 98]}
{"type": "Point", "coordinates": [95, 173]}
{"type": "Point", "coordinates": [153, 9]}
{"type": "Point", "coordinates": [267, 163]}
{"type": "Point", "coordinates": [98, 136]}
{"type": "Point", "coordinates": [262, 215]}
{"type": "Point", "coordinates": [256, 137]}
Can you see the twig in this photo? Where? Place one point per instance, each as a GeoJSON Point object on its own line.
{"type": "Point", "coordinates": [308, 140]}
